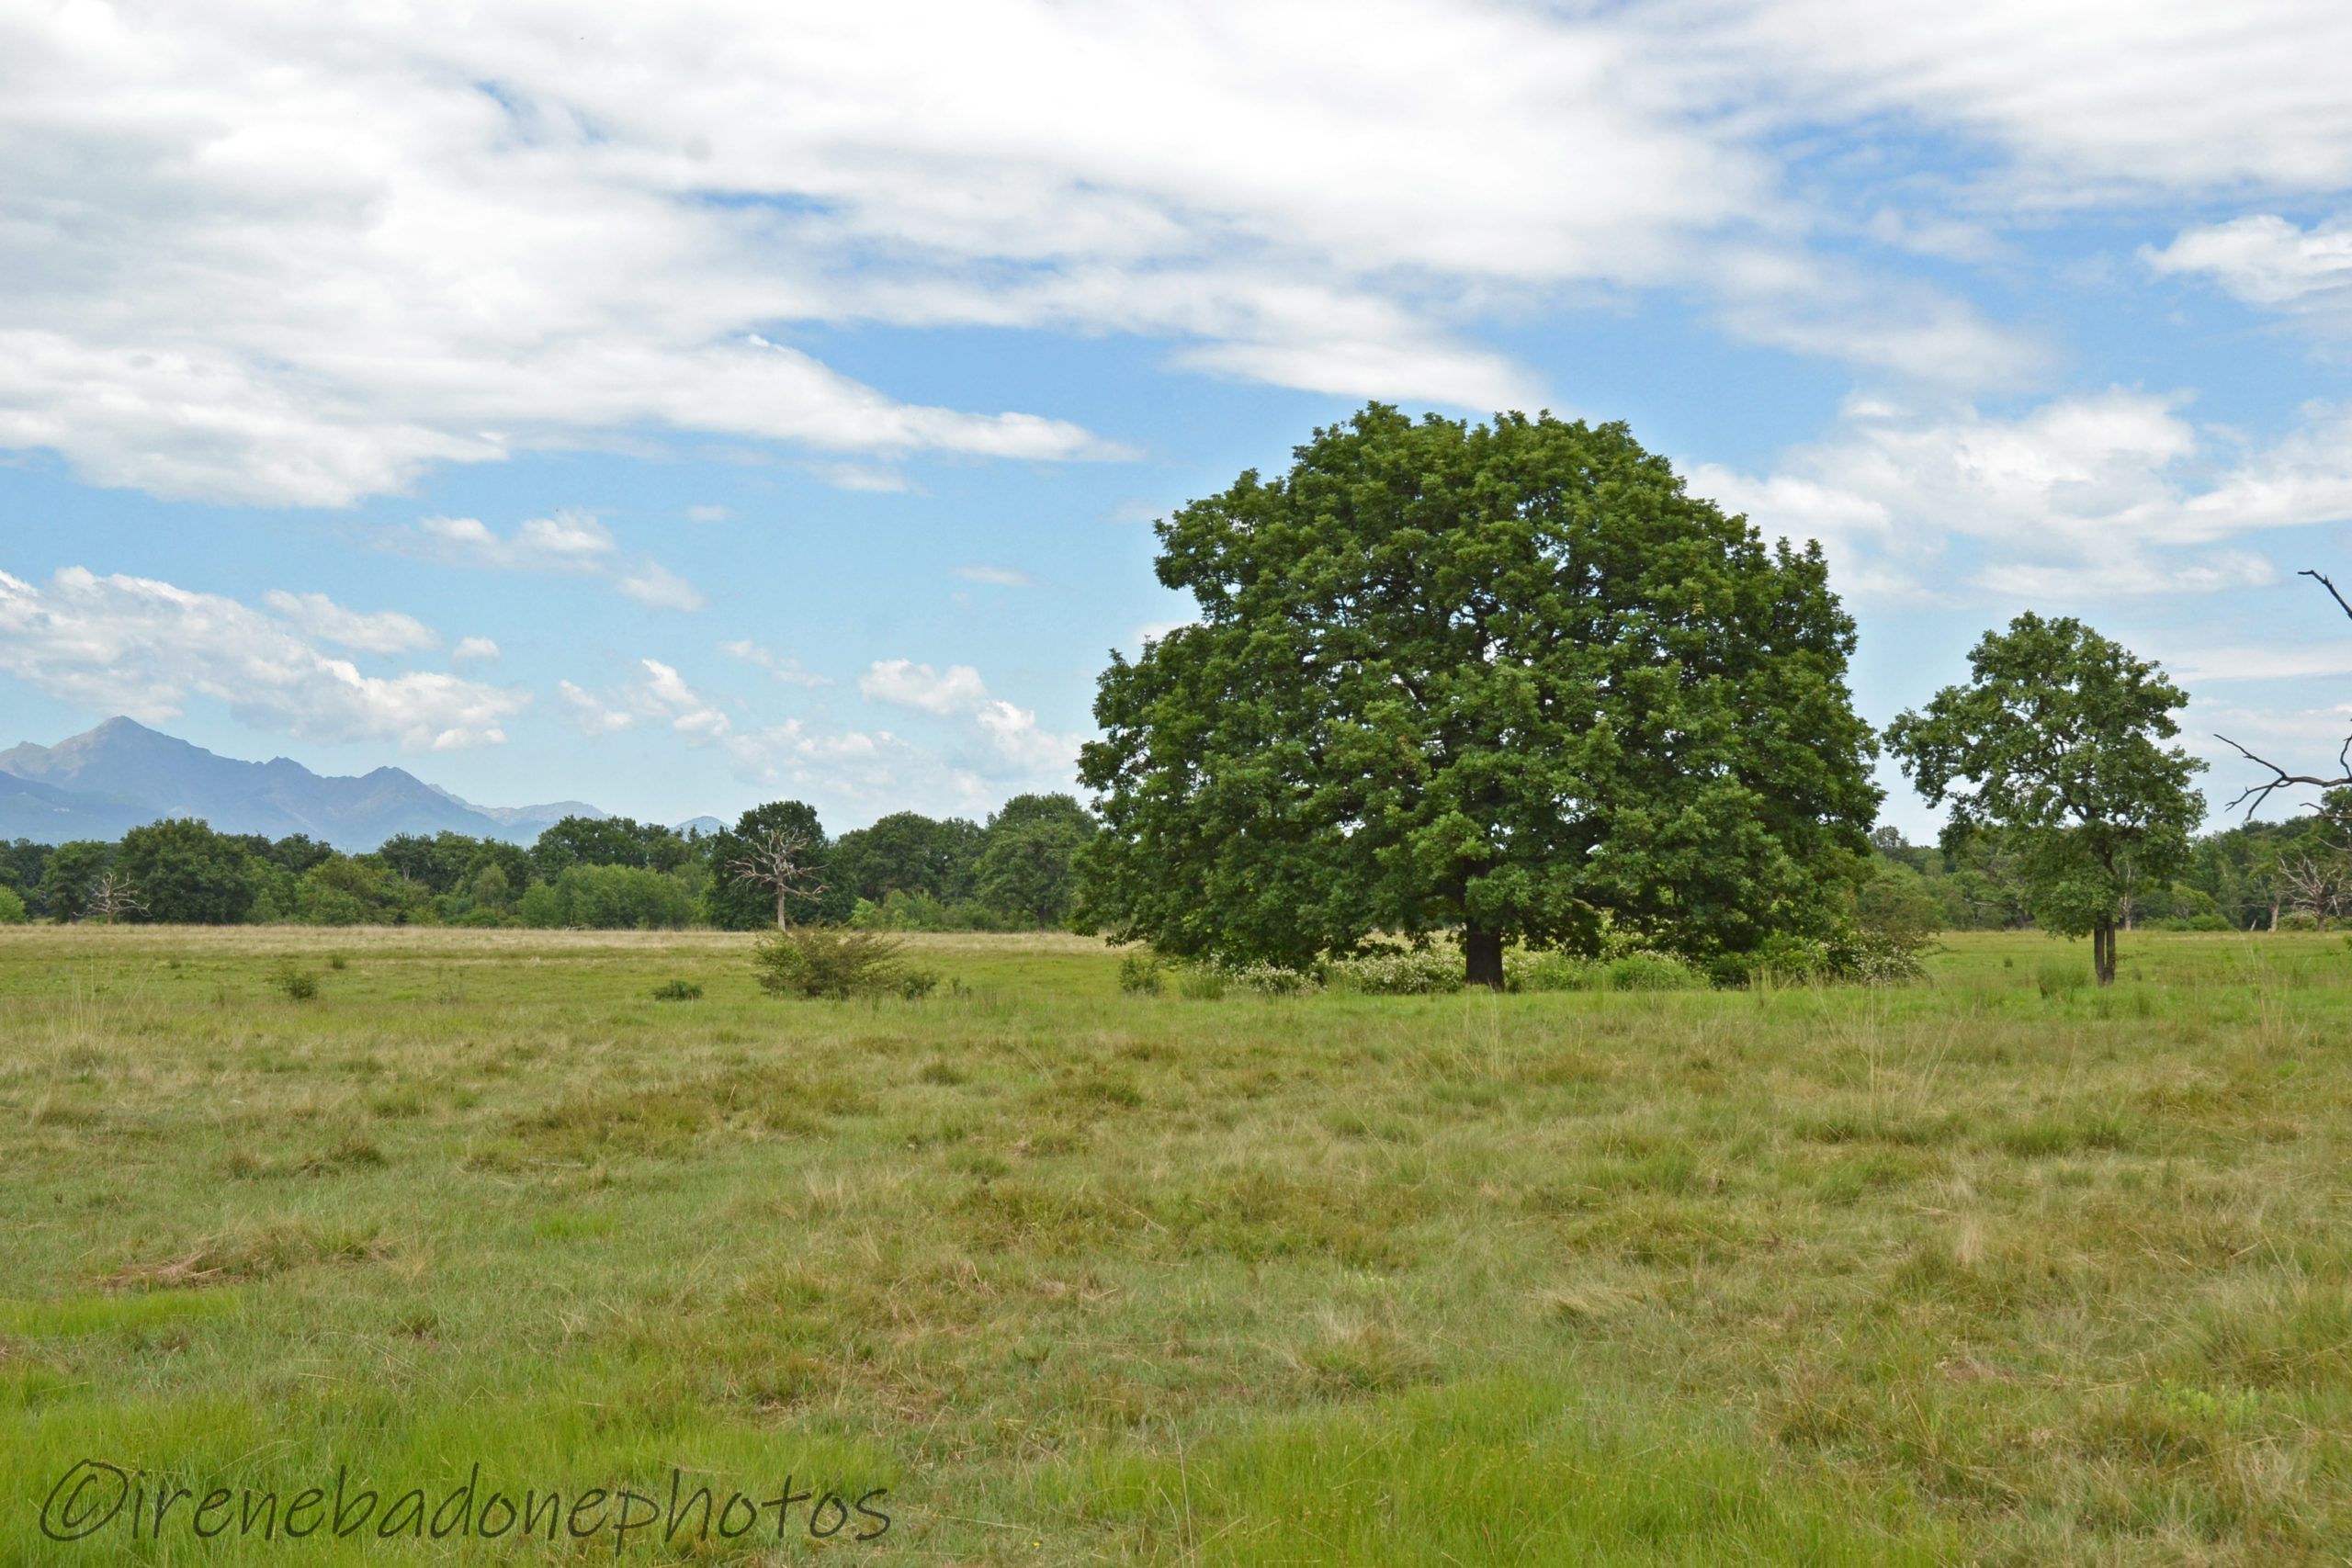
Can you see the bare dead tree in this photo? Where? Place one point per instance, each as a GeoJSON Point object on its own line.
{"type": "Point", "coordinates": [2318, 883]}
{"type": "Point", "coordinates": [2253, 795]}
{"type": "Point", "coordinates": [113, 896]}
{"type": "Point", "coordinates": [778, 860]}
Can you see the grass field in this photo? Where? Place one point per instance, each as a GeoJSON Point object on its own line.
{"type": "Point", "coordinates": [1995, 1269]}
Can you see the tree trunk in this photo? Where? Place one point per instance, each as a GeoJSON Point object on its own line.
{"type": "Point", "coordinates": [2103, 953]}
{"type": "Point", "coordinates": [1482, 954]}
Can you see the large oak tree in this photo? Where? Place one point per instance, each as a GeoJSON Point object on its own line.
{"type": "Point", "coordinates": [1502, 679]}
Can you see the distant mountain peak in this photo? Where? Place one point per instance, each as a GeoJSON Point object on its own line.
{"type": "Point", "coordinates": [107, 780]}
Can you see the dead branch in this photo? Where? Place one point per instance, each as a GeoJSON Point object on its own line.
{"type": "Point", "coordinates": [2253, 794]}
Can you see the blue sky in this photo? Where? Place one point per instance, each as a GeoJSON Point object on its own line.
{"type": "Point", "coordinates": [681, 411]}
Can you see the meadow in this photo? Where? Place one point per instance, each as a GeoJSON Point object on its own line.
{"type": "Point", "coordinates": [1996, 1269]}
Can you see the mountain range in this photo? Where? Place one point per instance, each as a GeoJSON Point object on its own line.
{"type": "Point", "coordinates": [123, 774]}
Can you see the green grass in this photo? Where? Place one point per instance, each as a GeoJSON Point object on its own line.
{"type": "Point", "coordinates": [1999, 1268]}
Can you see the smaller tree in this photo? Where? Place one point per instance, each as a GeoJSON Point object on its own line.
{"type": "Point", "coordinates": [2057, 738]}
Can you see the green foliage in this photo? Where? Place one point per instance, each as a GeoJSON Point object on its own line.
{"type": "Point", "coordinates": [1429, 971]}
{"type": "Point", "coordinates": [909, 853]}
{"type": "Point", "coordinates": [12, 907]}
{"type": "Point", "coordinates": [1504, 679]}
{"type": "Point", "coordinates": [2054, 749]}
{"type": "Point", "coordinates": [609, 897]}
{"type": "Point", "coordinates": [186, 873]}
{"type": "Point", "coordinates": [345, 891]}
{"type": "Point", "coordinates": [815, 962]}
{"type": "Point", "coordinates": [294, 983]}
{"type": "Point", "coordinates": [677, 991]}
{"type": "Point", "coordinates": [1028, 870]}
{"type": "Point", "coordinates": [23, 864]}
{"type": "Point", "coordinates": [1142, 973]}
{"type": "Point", "coordinates": [919, 912]}
{"type": "Point", "coordinates": [1849, 956]}
{"type": "Point", "coordinates": [1201, 982]}
{"type": "Point", "coordinates": [607, 840]}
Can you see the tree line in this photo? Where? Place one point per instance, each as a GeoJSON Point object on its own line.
{"type": "Point", "coordinates": [906, 872]}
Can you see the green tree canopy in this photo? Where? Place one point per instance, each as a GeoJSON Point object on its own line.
{"type": "Point", "coordinates": [907, 852]}
{"type": "Point", "coordinates": [1027, 872]}
{"type": "Point", "coordinates": [607, 840]}
{"type": "Point", "coordinates": [1506, 678]}
{"type": "Point", "coordinates": [186, 873]}
{"type": "Point", "coordinates": [70, 874]}
{"type": "Point", "coordinates": [2054, 748]}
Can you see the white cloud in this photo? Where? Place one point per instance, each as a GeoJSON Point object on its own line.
{"type": "Point", "coordinates": [572, 542]}
{"type": "Point", "coordinates": [707, 514]}
{"type": "Point", "coordinates": [660, 695]}
{"type": "Point", "coordinates": [569, 541]}
{"type": "Point", "coordinates": [591, 716]}
{"type": "Point", "coordinates": [1011, 733]}
{"type": "Point", "coordinates": [2111, 494]}
{"type": "Point", "coordinates": [958, 689]}
{"type": "Point", "coordinates": [865, 479]}
{"type": "Point", "coordinates": [650, 583]}
{"type": "Point", "coordinates": [382, 631]}
{"type": "Point", "coordinates": [786, 668]}
{"type": "Point", "coordinates": [264, 256]}
{"type": "Point", "coordinates": [2093, 100]}
{"type": "Point", "coordinates": [143, 647]}
{"type": "Point", "coordinates": [2268, 262]}
{"type": "Point", "coordinates": [474, 651]}
{"type": "Point", "coordinates": [997, 576]}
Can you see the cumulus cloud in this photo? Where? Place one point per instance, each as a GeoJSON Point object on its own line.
{"type": "Point", "coordinates": [474, 651]}
{"type": "Point", "coordinates": [956, 690]}
{"type": "Point", "coordinates": [2269, 263]}
{"type": "Point", "coordinates": [2111, 494]}
{"type": "Point", "coordinates": [784, 667]}
{"type": "Point", "coordinates": [381, 631]}
{"type": "Point", "coordinates": [1011, 733]}
{"type": "Point", "coordinates": [268, 258]}
{"type": "Point", "coordinates": [572, 542]}
{"type": "Point", "coordinates": [2099, 101]}
{"type": "Point", "coordinates": [650, 582]}
{"type": "Point", "coordinates": [658, 696]}
{"type": "Point", "coordinates": [142, 646]}
{"type": "Point", "coordinates": [569, 541]}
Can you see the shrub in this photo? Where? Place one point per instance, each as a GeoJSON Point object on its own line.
{"type": "Point", "coordinates": [1429, 972]}
{"type": "Point", "coordinates": [12, 909]}
{"type": "Point", "coordinates": [808, 960]}
{"type": "Point", "coordinates": [1201, 982]}
{"type": "Point", "coordinates": [2297, 921]}
{"type": "Point", "coordinates": [1140, 975]}
{"type": "Point", "coordinates": [1270, 980]}
{"type": "Point", "coordinates": [1549, 972]}
{"type": "Point", "coordinates": [1891, 957]}
{"type": "Point", "coordinates": [677, 991]}
{"type": "Point", "coordinates": [296, 984]}
{"type": "Point", "coordinates": [2059, 978]}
